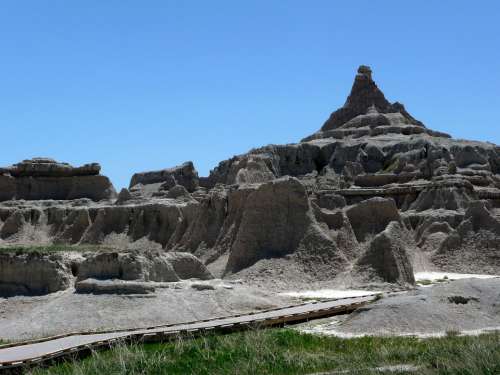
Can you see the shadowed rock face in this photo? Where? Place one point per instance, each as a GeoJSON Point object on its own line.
{"type": "Point", "coordinates": [319, 209]}
{"type": "Point", "coordinates": [184, 175]}
{"type": "Point", "coordinates": [388, 257]}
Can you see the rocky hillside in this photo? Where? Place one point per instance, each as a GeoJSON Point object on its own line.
{"type": "Point", "coordinates": [371, 197]}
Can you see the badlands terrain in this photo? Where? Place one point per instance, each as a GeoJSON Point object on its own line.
{"type": "Point", "coordinates": [367, 202]}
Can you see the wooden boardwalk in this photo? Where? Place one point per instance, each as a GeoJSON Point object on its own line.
{"type": "Point", "coordinates": [29, 353]}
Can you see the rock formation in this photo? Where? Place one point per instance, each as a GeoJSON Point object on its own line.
{"type": "Point", "coordinates": [143, 266]}
{"type": "Point", "coordinates": [33, 273]}
{"type": "Point", "coordinates": [374, 191]}
{"type": "Point", "coordinates": [44, 178]}
{"type": "Point", "coordinates": [107, 271]}
{"type": "Point", "coordinates": [387, 258]}
{"type": "Point", "coordinates": [184, 175]}
{"type": "Point", "coordinates": [368, 105]}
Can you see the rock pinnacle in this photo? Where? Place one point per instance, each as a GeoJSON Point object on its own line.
{"type": "Point", "coordinates": [365, 96]}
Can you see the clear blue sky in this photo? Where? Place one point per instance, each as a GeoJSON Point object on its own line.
{"type": "Point", "coordinates": [143, 85]}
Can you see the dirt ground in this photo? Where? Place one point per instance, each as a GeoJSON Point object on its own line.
{"type": "Point", "coordinates": [467, 305]}
{"type": "Point", "coordinates": [63, 312]}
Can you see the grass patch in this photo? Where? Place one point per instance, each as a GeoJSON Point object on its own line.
{"type": "Point", "coordinates": [52, 248]}
{"type": "Point", "coordinates": [424, 282]}
{"type": "Point", "coordinates": [443, 280]}
{"type": "Point", "coordinates": [289, 352]}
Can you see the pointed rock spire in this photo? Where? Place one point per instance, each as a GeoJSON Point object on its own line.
{"type": "Point", "coordinates": [365, 97]}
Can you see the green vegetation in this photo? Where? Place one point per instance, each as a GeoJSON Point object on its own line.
{"type": "Point", "coordinates": [424, 282]}
{"type": "Point", "coordinates": [391, 166]}
{"type": "Point", "coordinates": [51, 248]}
{"type": "Point", "coordinates": [289, 352]}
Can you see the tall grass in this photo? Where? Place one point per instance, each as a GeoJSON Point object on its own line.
{"type": "Point", "coordinates": [290, 352]}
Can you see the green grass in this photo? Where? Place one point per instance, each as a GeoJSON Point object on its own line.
{"type": "Point", "coordinates": [51, 248]}
{"type": "Point", "coordinates": [289, 352]}
{"type": "Point", "coordinates": [424, 282]}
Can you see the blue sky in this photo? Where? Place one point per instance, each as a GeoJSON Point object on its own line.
{"type": "Point", "coordinates": [143, 85]}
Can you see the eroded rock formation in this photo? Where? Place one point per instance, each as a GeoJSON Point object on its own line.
{"type": "Point", "coordinates": [388, 257]}
{"type": "Point", "coordinates": [33, 273]}
{"type": "Point", "coordinates": [44, 178]}
{"type": "Point", "coordinates": [107, 271]}
{"type": "Point", "coordinates": [373, 190]}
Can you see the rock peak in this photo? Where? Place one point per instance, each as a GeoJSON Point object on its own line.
{"type": "Point", "coordinates": [365, 70]}
{"type": "Point", "coordinates": [365, 97]}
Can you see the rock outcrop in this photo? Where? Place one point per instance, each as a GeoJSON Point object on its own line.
{"type": "Point", "coordinates": [372, 190]}
{"type": "Point", "coordinates": [474, 246]}
{"type": "Point", "coordinates": [184, 175]}
{"type": "Point", "coordinates": [126, 266]}
{"type": "Point", "coordinates": [366, 99]}
{"type": "Point", "coordinates": [388, 257]}
{"type": "Point", "coordinates": [143, 266]}
{"type": "Point", "coordinates": [33, 273]}
{"type": "Point", "coordinates": [372, 216]}
{"type": "Point", "coordinates": [108, 271]}
{"type": "Point", "coordinates": [273, 221]}
{"type": "Point", "coordinates": [43, 178]}
{"type": "Point", "coordinates": [115, 286]}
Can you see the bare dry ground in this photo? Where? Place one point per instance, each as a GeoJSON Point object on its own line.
{"type": "Point", "coordinates": [468, 305]}
{"type": "Point", "coordinates": [66, 311]}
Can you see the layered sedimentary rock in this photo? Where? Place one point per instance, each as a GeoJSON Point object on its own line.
{"type": "Point", "coordinates": [107, 271]}
{"type": "Point", "coordinates": [44, 178]}
{"type": "Point", "coordinates": [33, 273]}
{"type": "Point", "coordinates": [340, 200]}
{"type": "Point", "coordinates": [143, 266]}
